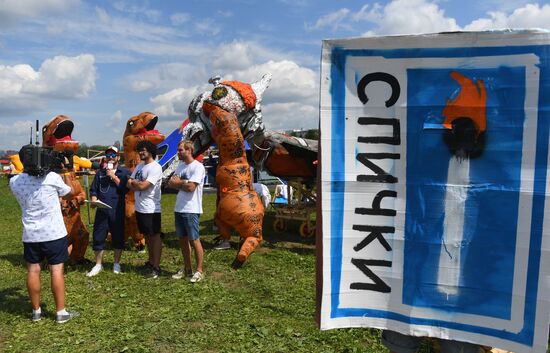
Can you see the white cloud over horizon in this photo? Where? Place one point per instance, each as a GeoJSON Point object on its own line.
{"type": "Point", "coordinates": [292, 95]}
{"type": "Point", "coordinates": [158, 57]}
{"type": "Point", "coordinates": [60, 77]}
{"type": "Point", "coordinates": [424, 16]}
{"type": "Point", "coordinates": [12, 11]}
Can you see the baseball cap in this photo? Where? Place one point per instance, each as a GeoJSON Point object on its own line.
{"type": "Point", "coordinates": [113, 148]}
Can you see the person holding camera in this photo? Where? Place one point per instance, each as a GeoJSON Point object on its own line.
{"type": "Point", "coordinates": [109, 187]}
{"type": "Point", "coordinates": [146, 181]}
{"type": "Point", "coordinates": [44, 232]}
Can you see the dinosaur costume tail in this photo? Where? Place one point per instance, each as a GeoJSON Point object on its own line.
{"type": "Point", "coordinates": [248, 247]}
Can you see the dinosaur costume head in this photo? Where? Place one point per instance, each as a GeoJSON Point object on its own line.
{"type": "Point", "coordinates": [141, 127]}
{"type": "Point", "coordinates": [57, 134]}
{"type": "Point", "coordinates": [138, 128]}
{"type": "Point", "coordinates": [239, 98]}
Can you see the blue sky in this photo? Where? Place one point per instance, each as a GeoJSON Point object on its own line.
{"type": "Point", "coordinates": [101, 62]}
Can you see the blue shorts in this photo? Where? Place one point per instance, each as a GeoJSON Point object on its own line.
{"type": "Point", "coordinates": [187, 225]}
{"type": "Point", "coordinates": [55, 251]}
{"type": "Point", "coordinates": [399, 343]}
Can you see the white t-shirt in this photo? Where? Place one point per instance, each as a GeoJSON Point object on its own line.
{"type": "Point", "coordinates": [148, 200]}
{"type": "Point", "coordinates": [39, 200]}
{"type": "Point", "coordinates": [263, 192]}
{"type": "Point", "coordinates": [190, 202]}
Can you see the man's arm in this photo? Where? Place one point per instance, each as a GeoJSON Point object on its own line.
{"type": "Point", "coordinates": [137, 185]}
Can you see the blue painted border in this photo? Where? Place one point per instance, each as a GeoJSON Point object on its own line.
{"type": "Point", "coordinates": [337, 90]}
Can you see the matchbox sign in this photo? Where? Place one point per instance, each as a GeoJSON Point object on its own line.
{"type": "Point", "coordinates": [434, 186]}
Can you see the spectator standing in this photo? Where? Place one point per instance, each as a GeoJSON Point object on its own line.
{"type": "Point", "coordinates": [145, 181]}
{"type": "Point", "coordinates": [44, 236]}
{"type": "Point", "coordinates": [109, 186]}
{"type": "Point", "coordinates": [188, 178]}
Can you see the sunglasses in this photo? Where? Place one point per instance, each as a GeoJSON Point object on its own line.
{"type": "Point", "coordinates": [110, 155]}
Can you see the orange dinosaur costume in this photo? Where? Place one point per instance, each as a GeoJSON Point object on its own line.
{"type": "Point", "coordinates": [239, 206]}
{"type": "Point", "coordinates": [138, 128]}
{"type": "Point", "coordinates": [57, 134]}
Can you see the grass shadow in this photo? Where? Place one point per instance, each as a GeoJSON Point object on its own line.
{"type": "Point", "coordinates": [14, 259]}
{"type": "Point", "coordinates": [15, 303]}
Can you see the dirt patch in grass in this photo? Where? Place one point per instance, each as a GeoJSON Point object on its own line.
{"type": "Point", "coordinates": [216, 275]}
{"type": "Point", "coordinates": [195, 324]}
{"type": "Point", "coordinates": [262, 250]}
{"type": "Point", "coordinates": [3, 339]}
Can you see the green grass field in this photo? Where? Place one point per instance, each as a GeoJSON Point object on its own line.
{"type": "Point", "coordinates": [266, 306]}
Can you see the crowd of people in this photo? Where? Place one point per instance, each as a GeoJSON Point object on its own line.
{"type": "Point", "coordinates": [45, 235]}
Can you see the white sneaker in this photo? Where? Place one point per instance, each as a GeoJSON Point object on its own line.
{"type": "Point", "coordinates": [94, 271]}
{"type": "Point", "coordinates": [224, 245]}
{"type": "Point", "coordinates": [116, 269]}
{"type": "Point", "coordinates": [182, 272]}
{"type": "Point", "coordinates": [197, 277]}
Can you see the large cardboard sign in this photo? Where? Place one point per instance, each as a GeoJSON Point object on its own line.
{"type": "Point", "coordinates": [434, 186]}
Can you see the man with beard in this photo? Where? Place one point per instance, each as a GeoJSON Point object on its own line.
{"type": "Point", "coordinates": [145, 181]}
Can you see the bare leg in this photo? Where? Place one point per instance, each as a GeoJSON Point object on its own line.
{"type": "Point", "coordinates": [186, 252]}
{"type": "Point", "coordinates": [149, 244]}
{"type": "Point", "coordinates": [98, 257]}
{"type": "Point", "coordinates": [33, 284]}
{"type": "Point", "coordinates": [58, 286]}
{"type": "Point", "coordinates": [199, 253]}
{"type": "Point", "coordinates": [156, 250]}
{"type": "Point", "coordinates": [118, 254]}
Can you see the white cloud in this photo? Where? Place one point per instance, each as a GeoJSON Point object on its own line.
{"type": "Point", "coordinates": [166, 76]}
{"type": "Point", "coordinates": [175, 102]}
{"type": "Point", "coordinates": [20, 127]}
{"type": "Point", "coordinates": [290, 82]}
{"type": "Point", "coordinates": [115, 119]}
{"type": "Point", "coordinates": [425, 16]}
{"type": "Point", "coordinates": [179, 18]}
{"type": "Point", "coordinates": [529, 16]}
{"type": "Point", "coordinates": [16, 134]}
{"type": "Point", "coordinates": [13, 10]}
{"type": "Point", "coordinates": [102, 15]}
{"type": "Point", "coordinates": [225, 14]}
{"type": "Point", "coordinates": [407, 17]}
{"type": "Point", "coordinates": [207, 26]}
{"type": "Point", "coordinates": [136, 10]}
{"type": "Point", "coordinates": [287, 116]}
{"type": "Point", "coordinates": [333, 20]}
{"type": "Point", "coordinates": [234, 56]}
{"type": "Point", "coordinates": [291, 101]}
{"type": "Point", "coordinates": [63, 77]}
{"type": "Point", "coordinates": [22, 89]}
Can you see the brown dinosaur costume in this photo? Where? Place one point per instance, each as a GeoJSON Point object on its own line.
{"type": "Point", "coordinates": [138, 128]}
{"type": "Point", "coordinates": [239, 206]}
{"type": "Point", "coordinates": [57, 134]}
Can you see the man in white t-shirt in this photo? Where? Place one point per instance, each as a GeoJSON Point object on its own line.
{"type": "Point", "coordinates": [44, 235]}
{"type": "Point", "coordinates": [188, 178]}
{"type": "Point", "coordinates": [146, 183]}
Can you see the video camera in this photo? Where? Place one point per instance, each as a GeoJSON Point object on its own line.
{"type": "Point", "coordinates": [38, 161]}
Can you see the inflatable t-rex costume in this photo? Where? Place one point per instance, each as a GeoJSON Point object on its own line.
{"type": "Point", "coordinates": [57, 134]}
{"type": "Point", "coordinates": [138, 128]}
{"type": "Point", "coordinates": [281, 155]}
{"type": "Point", "coordinates": [239, 206]}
